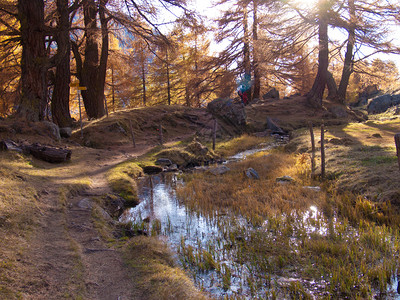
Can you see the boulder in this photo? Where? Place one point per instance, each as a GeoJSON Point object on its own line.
{"type": "Point", "coordinates": [368, 93]}
{"type": "Point", "coordinates": [66, 132]}
{"type": "Point", "coordinates": [228, 110]}
{"type": "Point", "coordinates": [52, 129]}
{"type": "Point", "coordinates": [251, 174]}
{"type": "Point", "coordinates": [272, 94]}
{"type": "Point", "coordinates": [382, 103]}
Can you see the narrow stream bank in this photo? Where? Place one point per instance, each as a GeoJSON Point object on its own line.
{"type": "Point", "coordinates": [225, 253]}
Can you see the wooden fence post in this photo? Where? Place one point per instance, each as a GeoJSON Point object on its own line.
{"type": "Point", "coordinates": [312, 151]}
{"type": "Point", "coordinates": [132, 134]}
{"type": "Point", "coordinates": [397, 142]}
{"type": "Point", "coordinates": [214, 133]}
{"type": "Point", "coordinates": [322, 152]}
{"type": "Point", "coordinates": [161, 135]}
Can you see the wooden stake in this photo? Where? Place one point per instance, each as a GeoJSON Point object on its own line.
{"type": "Point", "coordinates": [312, 151]}
{"type": "Point", "coordinates": [161, 135]}
{"type": "Point", "coordinates": [132, 134]}
{"type": "Point", "coordinates": [80, 112]}
{"type": "Point", "coordinates": [322, 152]}
{"type": "Point", "coordinates": [105, 105]}
{"type": "Point", "coordinates": [397, 142]}
{"type": "Point", "coordinates": [214, 133]}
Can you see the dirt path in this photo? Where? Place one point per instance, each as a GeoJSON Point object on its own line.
{"type": "Point", "coordinates": [68, 257]}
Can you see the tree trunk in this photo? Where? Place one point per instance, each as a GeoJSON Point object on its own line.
{"type": "Point", "coordinates": [332, 87]}
{"type": "Point", "coordinates": [92, 75]}
{"type": "Point", "coordinates": [257, 79]}
{"type": "Point", "coordinates": [246, 42]}
{"type": "Point", "coordinates": [168, 79]}
{"type": "Point", "coordinates": [60, 100]}
{"type": "Point", "coordinates": [348, 59]}
{"type": "Point", "coordinates": [143, 83]}
{"type": "Point", "coordinates": [33, 60]}
{"type": "Point", "coordinates": [316, 94]}
{"type": "Point", "coordinates": [103, 58]}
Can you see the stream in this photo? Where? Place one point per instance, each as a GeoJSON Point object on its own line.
{"type": "Point", "coordinates": [205, 246]}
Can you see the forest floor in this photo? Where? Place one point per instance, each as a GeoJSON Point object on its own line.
{"type": "Point", "coordinates": [55, 243]}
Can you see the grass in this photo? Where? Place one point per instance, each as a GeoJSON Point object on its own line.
{"type": "Point", "coordinates": [349, 249]}
{"type": "Point", "coordinates": [19, 215]}
{"type": "Point", "coordinates": [359, 160]}
{"type": "Point", "coordinates": [122, 181]}
{"type": "Point", "coordinates": [239, 144]}
{"type": "Point", "coordinates": [155, 272]}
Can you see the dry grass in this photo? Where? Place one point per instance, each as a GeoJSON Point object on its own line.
{"type": "Point", "coordinates": [19, 215]}
{"type": "Point", "coordinates": [122, 181]}
{"type": "Point", "coordinates": [239, 144]}
{"type": "Point", "coordinates": [155, 273]}
{"type": "Point", "coordinates": [351, 258]}
{"type": "Point", "coordinates": [234, 191]}
{"type": "Point", "coordinates": [360, 157]}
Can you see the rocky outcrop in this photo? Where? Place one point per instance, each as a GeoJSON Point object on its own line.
{"type": "Point", "coordinates": [228, 110]}
{"type": "Point", "coordinates": [382, 103]}
{"type": "Point", "coordinates": [369, 92]}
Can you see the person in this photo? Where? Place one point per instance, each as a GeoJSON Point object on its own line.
{"type": "Point", "coordinates": [244, 88]}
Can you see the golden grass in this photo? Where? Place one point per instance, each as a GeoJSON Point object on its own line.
{"type": "Point", "coordinates": [155, 273]}
{"type": "Point", "coordinates": [234, 191]}
{"type": "Point", "coordinates": [353, 256]}
{"type": "Point", "coordinates": [361, 157]}
{"type": "Point", "coordinates": [122, 181]}
{"type": "Point", "coordinates": [239, 144]}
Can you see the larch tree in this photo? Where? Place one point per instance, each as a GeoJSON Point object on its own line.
{"type": "Point", "coordinates": [10, 55]}
{"type": "Point", "coordinates": [91, 71]}
{"type": "Point", "coordinates": [367, 24]}
{"type": "Point", "coordinates": [60, 108]}
{"type": "Point", "coordinates": [316, 93]}
{"type": "Point", "coordinates": [33, 60]}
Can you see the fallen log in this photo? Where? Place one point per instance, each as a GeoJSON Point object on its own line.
{"type": "Point", "coordinates": [46, 153]}
{"type": "Point", "coordinates": [49, 154]}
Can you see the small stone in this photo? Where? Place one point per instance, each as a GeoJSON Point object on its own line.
{"type": "Point", "coordinates": [377, 135]}
{"type": "Point", "coordinates": [313, 188]}
{"type": "Point", "coordinates": [172, 168]}
{"type": "Point", "coordinates": [285, 179]}
{"type": "Point", "coordinates": [85, 203]}
{"type": "Point", "coordinates": [165, 162]}
{"type": "Point", "coordinates": [219, 170]}
{"type": "Point", "coordinates": [252, 174]}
